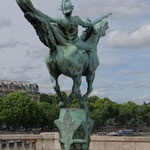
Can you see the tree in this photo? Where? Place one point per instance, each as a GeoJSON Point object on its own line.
{"type": "Point", "coordinates": [46, 98]}
{"type": "Point", "coordinates": [102, 111]}
{"type": "Point", "coordinates": [115, 112]}
{"type": "Point", "coordinates": [127, 114]}
{"type": "Point", "coordinates": [92, 99]}
{"type": "Point", "coordinates": [1, 108]}
{"type": "Point", "coordinates": [49, 114]}
{"type": "Point", "coordinates": [17, 109]}
{"type": "Point", "coordinates": [147, 118]}
{"type": "Point", "coordinates": [91, 102]}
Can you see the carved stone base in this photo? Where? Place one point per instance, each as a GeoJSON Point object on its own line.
{"type": "Point", "coordinates": [75, 127]}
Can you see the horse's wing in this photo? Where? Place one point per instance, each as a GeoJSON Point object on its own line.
{"type": "Point", "coordinates": [39, 21]}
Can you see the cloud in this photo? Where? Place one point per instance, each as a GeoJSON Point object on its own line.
{"type": "Point", "coordinates": [136, 40]}
{"type": "Point", "coordinates": [100, 93]}
{"type": "Point", "coordinates": [11, 44]}
{"type": "Point", "coordinates": [143, 98]}
{"type": "Point", "coordinates": [4, 22]}
{"type": "Point", "coordinates": [111, 63]}
{"type": "Point", "coordinates": [36, 53]}
{"type": "Point", "coordinates": [142, 85]}
{"type": "Point", "coordinates": [7, 75]}
{"type": "Point", "coordinates": [21, 69]}
{"type": "Point", "coordinates": [132, 73]}
{"type": "Point", "coordinates": [121, 9]}
{"type": "Point", "coordinates": [18, 73]}
{"type": "Point", "coordinates": [104, 89]}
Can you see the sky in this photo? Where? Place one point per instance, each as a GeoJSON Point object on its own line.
{"type": "Point", "coordinates": [124, 53]}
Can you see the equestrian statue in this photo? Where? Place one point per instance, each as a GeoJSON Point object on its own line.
{"type": "Point", "coordinates": [69, 54]}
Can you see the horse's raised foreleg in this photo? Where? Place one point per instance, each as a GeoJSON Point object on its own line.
{"type": "Point", "coordinates": [89, 78]}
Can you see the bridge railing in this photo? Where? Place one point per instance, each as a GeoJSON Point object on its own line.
{"type": "Point", "coordinates": [50, 141]}
{"type": "Point", "coordinates": [22, 141]}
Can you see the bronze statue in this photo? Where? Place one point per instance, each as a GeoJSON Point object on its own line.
{"type": "Point", "coordinates": [74, 57]}
{"type": "Point", "coordinates": [69, 54]}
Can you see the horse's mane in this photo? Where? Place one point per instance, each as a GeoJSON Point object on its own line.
{"type": "Point", "coordinates": [87, 33]}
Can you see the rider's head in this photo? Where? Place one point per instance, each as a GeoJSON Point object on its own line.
{"type": "Point", "coordinates": [67, 7]}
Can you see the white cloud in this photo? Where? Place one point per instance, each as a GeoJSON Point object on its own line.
{"type": "Point", "coordinates": [142, 85]}
{"type": "Point", "coordinates": [36, 53]}
{"type": "Point", "coordinates": [120, 8]}
{"type": "Point", "coordinates": [111, 63]}
{"type": "Point", "coordinates": [20, 62]}
{"type": "Point", "coordinates": [4, 22]}
{"type": "Point", "coordinates": [100, 93]}
{"type": "Point", "coordinates": [132, 73]}
{"type": "Point", "coordinates": [11, 44]}
{"type": "Point", "coordinates": [143, 98]}
{"type": "Point", "coordinates": [136, 40]}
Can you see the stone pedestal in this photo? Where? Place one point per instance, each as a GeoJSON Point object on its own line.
{"type": "Point", "coordinates": [75, 127]}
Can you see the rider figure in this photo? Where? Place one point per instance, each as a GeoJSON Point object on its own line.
{"type": "Point", "coordinates": [69, 25]}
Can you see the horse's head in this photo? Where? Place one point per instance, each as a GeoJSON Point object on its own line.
{"type": "Point", "coordinates": [92, 35]}
{"type": "Point", "coordinates": [101, 27]}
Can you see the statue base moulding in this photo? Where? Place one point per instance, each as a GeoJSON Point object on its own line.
{"type": "Point", "coordinates": [75, 128]}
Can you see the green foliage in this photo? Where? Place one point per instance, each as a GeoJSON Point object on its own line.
{"type": "Point", "coordinates": [17, 109]}
{"type": "Point", "coordinates": [146, 118]}
{"type": "Point", "coordinates": [92, 99]}
{"type": "Point", "coordinates": [102, 111]}
{"type": "Point", "coordinates": [51, 98]}
{"type": "Point", "coordinates": [75, 103]}
{"type": "Point", "coordinates": [49, 113]}
{"type": "Point", "coordinates": [46, 98]}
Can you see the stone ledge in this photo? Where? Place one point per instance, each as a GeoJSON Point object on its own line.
{"type": "Point", "coordinates": [119, 139]}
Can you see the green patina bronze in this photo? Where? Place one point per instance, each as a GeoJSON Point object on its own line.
{"type": "Point", "coordinates": [69, 55]}
{"type": "Point", "coordinates": [74, 57]}
{"type": "Point", "coordinates": [75, 128]}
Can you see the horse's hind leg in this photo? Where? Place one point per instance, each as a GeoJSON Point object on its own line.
{"type": "Point", "coordinates": [77, 92]}
{"type": "Point", "coordinates": [70, 98]}
{"type": "Point", "coordinates": [56, 85]}
{"type": "Point", "coordinates": [89, 78]}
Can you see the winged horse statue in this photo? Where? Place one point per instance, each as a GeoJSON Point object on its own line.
{"type": "Point", "coordinates": [69, 54]}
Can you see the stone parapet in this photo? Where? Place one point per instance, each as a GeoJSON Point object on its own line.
{"type": "Point", "coordinates": [50, 141]}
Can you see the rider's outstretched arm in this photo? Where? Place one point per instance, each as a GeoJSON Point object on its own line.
{"type": "Point", "coordinates": [83, 23]}
{"type": "Point", "coordinates": [101, 18]}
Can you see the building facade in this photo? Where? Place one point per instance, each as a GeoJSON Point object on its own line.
{"type": "Point", "coordinates": [7, 86]}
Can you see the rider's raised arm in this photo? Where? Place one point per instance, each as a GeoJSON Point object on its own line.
{"type": "Point", "coordinates": [101, 18]}
{"type": "Point", "coordinates": [83, 23]}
